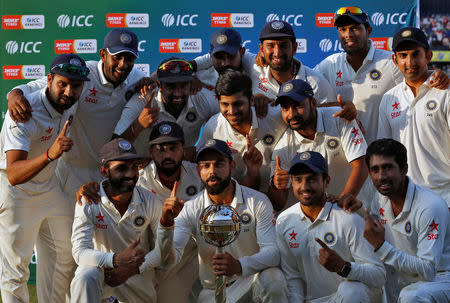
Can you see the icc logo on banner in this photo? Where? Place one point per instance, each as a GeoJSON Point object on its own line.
{"type": "Point", "coordinates": [169, 20]}
{"type": "Point", "coordinates": [13, 47]}
{"type": "Point", "coordinates": [326, 45]}
{"type": "Point", "coordinates": [294, 20]}
{"type": "Point", "coordinates": [395, 18]}
{"type": "Point", "coordinates": [77, 21]}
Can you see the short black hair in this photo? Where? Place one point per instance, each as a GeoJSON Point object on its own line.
{"type": "Point", "coordinates": [231, 82]}
{"type": "Point", "coordinates": [389, 148]}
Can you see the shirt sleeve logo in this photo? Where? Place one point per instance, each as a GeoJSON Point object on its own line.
{"type": "Point", "coordinates": [375, 74]}
{"type": "Point", "coordinates": [329, 238]}
{"type": "Point", "coordinates": [191, 190]}
{"type": "Point", "coordinates": [268, 139]}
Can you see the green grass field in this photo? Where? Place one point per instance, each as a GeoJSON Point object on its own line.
{"type": "Point", "coordinates": [32, 292]}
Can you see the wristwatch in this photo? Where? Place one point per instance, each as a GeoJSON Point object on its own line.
{"type": "Point", "coordinates": [345, 270]}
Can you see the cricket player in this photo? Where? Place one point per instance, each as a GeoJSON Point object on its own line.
{"type": "Point", "coordinates": [173, 102]}
{"type": "Point", "coordinates": [250, 138]}
{"type": "Point", "coordinates": [101, 103]}
{"type": "Point", "coordinates": [324, 255]}
{"type": "Point", "coordinates": [362, 73]}
{"type": "Point", "coordinates": [113, 239]}
{"type": "Point", "coordinates": [418, 115]}
{"type": "Point", "coordinates": [411, 231]}
{"type": "Point", "coordinates": [250, 261]}
{"type": "Point", "coordinates": [316, 129]}
{"type": "Point", "coordinates": [159, 177]}
{"type": "Point", "coordinates": [34, 210]}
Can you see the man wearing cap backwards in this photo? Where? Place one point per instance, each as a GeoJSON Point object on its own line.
{"type": "Point", "coordinates": [310, 128]}
{"type": "Point", "coordinates": [250, 138]}
{"type": "Point", "coordinates": [324, 255]}
{"type": "Point", "coordinates": [112, 240]}
{"type": "Point", "coordinates": [159, 177]}
{"type": "Point", "coordinates": [362, 73]}
{"type": "Point", "coordinates": [101, 103]}
{"type": "Point", "coordinates": [418, 115]}
{"type": "Point", "coordinates": [34, 209]}
{"type": "Point", "coordinates": [173, 102]}
{"type": "Point", "coordinates": [249, 262]}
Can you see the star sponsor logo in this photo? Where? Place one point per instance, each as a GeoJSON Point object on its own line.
{"type": "Point", "coordinates": [395, 105]}
{"type": "Point", "coordinates": [381, 211]}
{"type": "Point", "coordinates": [230, 145]}
{"type": "Point", "coordinates": [433, 226]}
{"type": "Point", "coordinates": [49, 130]}
{"type": "Point", "coordinates": [139, 20]}
{"type": "Point", "coordinates": [93, 92]}
{"type": "Point", "coordinates": [293, 237]}
{"type": "Point", "coordinates": [325, 20]}
{"type": "Point", "coordinates": [78, 46]}
{"type": "Point", "coordinates": [395, 113]}
{"type": "Point", "coordinates": [355, 132]}
{"type": "Point", "coordinates": [100, 218]}
{"type": "Point", "coordinates": [16, 72]}
{"type": "Point", "coordinates": [339, 76]}
{"type": "Point", "coordinates": [23, 22]}
{"type": "Point", "coordinates": [180, 45]}
{"type": "Point", "coordinates": [48, 136]}
{"type": "Point", "coordinates": [245, 20]}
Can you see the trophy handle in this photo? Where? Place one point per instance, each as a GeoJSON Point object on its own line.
{"type": "Point", "coordinates": [220, 282]}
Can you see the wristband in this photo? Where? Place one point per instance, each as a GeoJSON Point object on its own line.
{"type": "Point", "coordinates": [48, 157]}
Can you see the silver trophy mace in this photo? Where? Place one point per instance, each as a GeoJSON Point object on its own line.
{"type": "Point", "coordinates": [220, 225]}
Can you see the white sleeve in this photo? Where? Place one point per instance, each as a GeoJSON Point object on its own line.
{"type": "Point", "coordinates": [429, 250]}
{"type": "Point", "coordinates": [17, 135]}
{"type": "Point", "coordinates": [353, 142]}
{"type": "Point", "coordinates": [367, 268]}
{"type": "Point", "coordinates": [323, 92]}
{"type": "Point", "coordinates": [204, 61]}
{"type": "Point", "coordinates": [131, 111]}
{"type": "Point", "coordinates": [206, 103]}
{"type": "Point", "coordinates": [207, 132]}
{"type": "Point", "coordinates": [396, 74]}
{"type": "Point", "coordinates": [283, 153]}
{"type": "Point", "coordinates": [247, 62]}
{"type": "Point", "coordinates": [384, 127]}
{"type": "Point", "coordinates": [82, 240]}
{"type": "Point", "coordinates": [31, 86]}
{"type": "Point", "coordinates": [291, 270]}
{"type": "Point", "coordinates": [152, 258]}
{"type": "Point", "coordinates": [268, 255]}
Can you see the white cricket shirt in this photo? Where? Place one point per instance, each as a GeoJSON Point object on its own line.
{"type": "Point", "coordinates": [99, 230]}
{"type": "Point", "coordinates": [422, 124]}
{"type": "Point", "coordinates": [264, 134]}
{"type": "Point", "coordinates": [307, 279]}
{"type": "Point", "coordinates": [255, 247]}
{"type": "Point", "coordinates": [365, 87]}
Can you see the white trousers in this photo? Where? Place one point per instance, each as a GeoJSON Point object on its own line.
{"type": "Point", "coordinates": [352, 292]}
{"type": "Point", "coordinates": [44, 220]}
{"type": "Point", "coordinates": [435, 291]}
{"type": "Point", "coordinates": [88, 286]}
{"type": "Point", "coordinates": [266, 286]}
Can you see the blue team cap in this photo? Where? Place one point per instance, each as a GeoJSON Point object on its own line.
{"type": "Point", "coordinates": [313, 160]}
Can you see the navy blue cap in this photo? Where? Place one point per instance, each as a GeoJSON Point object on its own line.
{"type": "Point", "coordinates": [313, 160]}
{"type": "Point", "coordinates": [166, 131]}
{"type": "Point", "coordinates": [121, 40]}
{"type": "Point", "coordinates": [173, 70]}
{"type": "Point", "coordinates": [118, 149]}
{"type": "Point", "coordinates": [70, 66]}
{"type": "Point", "coordinates": [276, 29]}
{"type": "Point", "coordinates": [347, 17]}
{"type": "Point", "coordinates": [225, 40]}
{"type": "Point", "coordinates": [410, 34]}
{"type": "Point", "coordinates": [296, 89]}
{"type": "Point", "coordinates": [217, 145]}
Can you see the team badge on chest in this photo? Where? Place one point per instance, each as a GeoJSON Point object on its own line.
{"type": "Point", "coordinates": [139, 221]}
{"type": "Point", "coordinates": [246, 218]}
{"type": "Point", "coordinates": [375, 74]}
{"type": "Point", "coordinates": [408, 227]}
{"type": "Point", "coordinates": [191, 116]}
{"type": "Point", "coordinates": [431, 105]}
{"type": "Point", "coordinates": [191, 190]}
{"type": "Point", "coordinates": [329, 238]}
{"type": "Point", "coordinates": [268, 139]}
{"type": "Point", "coordinates": [332, 143]}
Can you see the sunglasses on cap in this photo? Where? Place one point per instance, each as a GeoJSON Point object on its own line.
{"type": "Point", "coordinates": [172, 64]}
{"type": "Point", "coordinates": [71, 69]}
{"type": "Point", "coordinates": [349, 10]}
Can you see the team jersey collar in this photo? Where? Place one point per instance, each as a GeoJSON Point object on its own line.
{"type": "Point", "coordinates": [409, 199]}
{"type": "Point", "coordinates": [324, 214]}
{"type": "Point", "coordinates": [320, 128]}
{"type": "Point", "coordinates": [425, 87]}
{"type": "Point", "coordinates": [238, 198]}
{"type": "Point", "coordinates": [369, 56]}
{"type": "Point", "coordinates": [103, 80]}
{"type": "Point", "coordinates": [301, 73]}
{"type": "Point", "coordinates": [48, 107]}
{"type": "Point", "coordinates": [153, 171]}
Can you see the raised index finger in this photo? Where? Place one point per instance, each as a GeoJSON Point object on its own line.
{"type": "Point", "coordinates": [64, 129]}
{"type": "Point", "coordinates": [321, 243]}
{"type": "Point", "coordinates": [249, 142]}
{"type": "Point", "coordinates": [174, 190]}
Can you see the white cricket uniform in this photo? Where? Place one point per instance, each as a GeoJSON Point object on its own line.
{"type": "Point", "coordinates": [416, 250]}
{"type": "Point", "coordinates": [199, 108]}
{"type": "Point", "coordinates": [342, 232]}
{"type": "Point", "coordinates": [182, 276]}
{"type": "Point", "coordinates": [422, 124]}
{"type": "Point", "coordinates": [264, 83]}
{"type": "Point", "coordinates": [36, 212]}
{"type": "Point", "coordinates": [364, 87]}
{"type": "Point", "coordinates": [99, 108]}
{"type": "Point", "coordinates": [337, 140]}
{"type": "Point", "coordinates": [99, 231]}
{"type": "Point", "coordinates": [264, 134]}
{"type": "Point", "coordinates": [255, 248]}
{"type": "Point", "coordinates": [208, 74]}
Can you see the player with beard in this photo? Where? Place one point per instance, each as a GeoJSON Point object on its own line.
{"type": "Point", "coordinates": [418, 115]}
{"type": "Point", "coordinates": [323, 253]}
{"type": "Point", "coordinates": [310, 128]}
{"type": "Point", "coordinates": [112, 240]}
{"type": "Point", "coordinates": [172, 102]}
{"type": "Point", "coordinates": [159, 176]}
{"type": "Point", "coordinates": [34, 209]}
{"type": "Point", "coordinates": [249, 262]}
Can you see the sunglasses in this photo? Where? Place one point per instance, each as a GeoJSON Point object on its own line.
{"type": "Point", "coordinates": [349, 10]}
{"type": "Point", "coordinates": [172, 64]}
{"type": "Point", "coordinates": [71, 69]}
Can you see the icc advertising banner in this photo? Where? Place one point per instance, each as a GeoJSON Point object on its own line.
{"type": "Point", "coordinates": [33, 32]}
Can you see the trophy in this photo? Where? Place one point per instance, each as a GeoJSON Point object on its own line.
{"type": "Point", "coordinates": [219, 225]}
